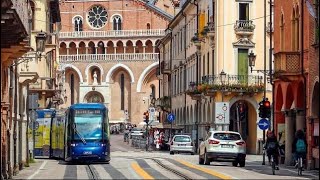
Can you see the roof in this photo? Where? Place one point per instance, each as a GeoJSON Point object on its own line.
{"type": "Point", "coordinates": [88, 106]}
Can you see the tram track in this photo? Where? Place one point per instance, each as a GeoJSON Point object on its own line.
{"type": "Point", "coordinates": [92, 174]}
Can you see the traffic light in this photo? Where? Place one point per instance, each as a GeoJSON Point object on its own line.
{"type": "Point", "coordinates": [146, 115]}
{"type": "Point", "coordinates": [264, 108]}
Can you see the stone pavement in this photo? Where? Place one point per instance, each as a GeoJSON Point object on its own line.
{"type": "Point", "coordinates": [26, 172]}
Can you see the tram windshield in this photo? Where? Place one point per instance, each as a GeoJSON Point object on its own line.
{"type": "Point", "coordinates": [88, 126]}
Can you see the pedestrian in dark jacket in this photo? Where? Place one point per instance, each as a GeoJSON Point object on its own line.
{"type": "Point", "coordinates": [299, 146]}
{"type": "Point", "coordinates": [272, 147]}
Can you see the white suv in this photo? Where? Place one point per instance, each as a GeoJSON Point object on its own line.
{"type": "Point", "coordinates": [223, 146]}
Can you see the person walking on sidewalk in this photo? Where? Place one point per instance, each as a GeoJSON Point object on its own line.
{"type": "Point", "coordinates": [299, 147]}
{"type": "Point", "coordinates": [272, 147]}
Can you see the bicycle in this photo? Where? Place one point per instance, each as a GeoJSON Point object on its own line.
{"type": "Point", "coordinates": [272, 163]}
{"type": "Point", "coordinates": [300, 166]}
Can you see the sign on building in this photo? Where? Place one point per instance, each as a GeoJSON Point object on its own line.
{"type": "Point", "coordinates": [222, 113]}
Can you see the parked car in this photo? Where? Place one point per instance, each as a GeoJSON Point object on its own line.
{"type": "Point", "coordinates": [223, 146]}
{"type": "Point", "coordinates": [181, 143]}
{"type": "Point", "coordinates": [136, 132]}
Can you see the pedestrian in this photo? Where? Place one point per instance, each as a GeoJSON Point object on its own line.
{"type": "Point", "coordinates": [299, 146]}
{"type": "Point", "coordinates": [272, 147]}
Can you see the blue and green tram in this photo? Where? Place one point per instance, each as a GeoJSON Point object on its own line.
{"type": "Point", "coordinates": [87, 133]}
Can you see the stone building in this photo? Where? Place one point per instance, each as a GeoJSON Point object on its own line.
{"type": "Point", "coordinates": [297, 74]}
{"type": "Point", "coordinates": [107, 53]}
{"type": "Point", "coordinates": [204, 62]}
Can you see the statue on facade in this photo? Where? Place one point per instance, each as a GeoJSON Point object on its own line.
{"type": "Point", "coordinates": [95, 76]}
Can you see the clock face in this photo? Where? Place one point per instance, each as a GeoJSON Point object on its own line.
{"type": "Point", "coordinates": [97, 16]}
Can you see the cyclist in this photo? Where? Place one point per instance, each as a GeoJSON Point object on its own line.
{"type": "Point", "coordinates": [272, 147]}
{"type": "Point", "coordinates": [299, 147]}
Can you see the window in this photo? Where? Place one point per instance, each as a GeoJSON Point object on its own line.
{"type": "Point", "coordinates": [72, 88]}
{"type": "Point", "coordinates": [148, 26]}
{"type": "Point", "coordinates": [122, 91]}
{"type": "Point", "coordinates": [153, 91]}
{"type": "Point", "coordinates": [243, 11]}
{"type": "Point", "coordinates": [117, 23]}
{"type": "Point", "coordinates": [32, 5]}
{"type": "Point", "coordinates": [97, 16]}
{"type": "Point", "coordinates": [282, 33]}
{"type": "Point", "coordinates": [77, 23]}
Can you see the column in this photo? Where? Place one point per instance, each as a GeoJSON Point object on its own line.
{"type": "Point", "coordinates": [115, 50]}
{"type": "Point", "coordinates": [67, 51]}
{"type": "Point", "coordinates": [124, 49]}
{"type": "Point", "coordinates": [77, 51]}
{"type": "Point", "coordinates": [96, 50]}
{"type": "Point", "coordinates": [134, 49]}
{"type": "Point", "coordinates": [86, 50]}
{"type": "Point", "coordinates": [144, 49]}
{"type": "Point", "coordinates": [153, 49]}
{"type": "Point", "coordinates": [300, 122]}
{"type": "Point", "coordinates": [289, 136]}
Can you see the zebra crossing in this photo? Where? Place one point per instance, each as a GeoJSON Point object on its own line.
{"type": "Point", "coordinates": [124, 168]}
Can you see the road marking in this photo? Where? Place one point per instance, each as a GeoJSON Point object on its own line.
{"type": "Point", "coordinates": [140, 171]}
{"type": "Point", "coordinates": [41, 168]}
{"type": "Point", "coordinates": [209, 171]}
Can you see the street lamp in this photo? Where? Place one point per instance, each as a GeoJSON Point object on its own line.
{"type": "Point", "coordinates": [196, 40]}
{"type": "Point", "coordinates": [41, 38]}
{"type": "Point", "coordinates": [252, 59]}
{"type": "Point", "coordinates": [223, 77]}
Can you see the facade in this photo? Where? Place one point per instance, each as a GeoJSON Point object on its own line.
{"type": "Point", "coordinates": [297, 74]}
{"type": "Point", "coordinates": [107, 54]}
{"type": "Point", "coordinates": [205, 63]}
{"type": "Point", "coordinates": [28, 68]}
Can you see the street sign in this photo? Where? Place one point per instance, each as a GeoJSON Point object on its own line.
{"type": "Point", "coordinates": [171, 117]}
{"type": "Point", "coordinates": [222, 113]}
{"type": "Point", "coordinates": [152, 113]}
{"type": "Point", "coordinates": [263, 124]}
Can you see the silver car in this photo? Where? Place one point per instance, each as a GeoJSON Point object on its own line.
{"type": "Point", "coordinates": [181, 143]}
{"type": "Point", "coordinates": [223, 146]}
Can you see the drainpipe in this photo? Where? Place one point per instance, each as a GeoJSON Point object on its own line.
{"type": "Point", "coordinates": [15, 168]}
{"type": "Point", "coordinates": [185, 71]}
{"type": "Point", "coordinates": [304, 76]}
{"type": "Point", "coordinates": [270, 66]}
{"type": "Point", "coordinates": [9, 124]}
{"type": "Point", "coordinates": [171, 89]}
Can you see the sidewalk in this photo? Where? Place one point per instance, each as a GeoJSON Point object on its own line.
{"type": "Point", "coordinates": [257, 159]}
{"type": "Point", "coordinates": [26, 172]}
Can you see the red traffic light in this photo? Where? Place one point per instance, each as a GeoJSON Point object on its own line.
{"type": "Point", "coordinates": [266, 104]}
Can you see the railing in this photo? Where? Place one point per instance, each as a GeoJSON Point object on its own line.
{"type": "Point", "coordinates": [287, 62]}
{"type": "Point", "coordinates": [113, 33]}
{"type": "Point", "coordinates": [21, 7]}
{"type": "Point", "coordinates": [246, 26]}
{"type": "Point", "coordinates": [232, 80]}
{"type": "Point", "coordinates": [108, 57]}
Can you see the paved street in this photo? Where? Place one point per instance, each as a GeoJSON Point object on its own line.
{"type": "Point", "coordinates": [131, 163]}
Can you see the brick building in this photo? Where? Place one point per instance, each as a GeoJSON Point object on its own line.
{"type": "Point", "coordinates": [107, 53]}
{"type": "Point", "coordinates": [297, 74]}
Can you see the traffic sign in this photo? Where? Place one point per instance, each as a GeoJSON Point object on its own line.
{"type": "Point", "coordinates": [171, 117]}
{"type": "Point", "coordinates": [263, 124]}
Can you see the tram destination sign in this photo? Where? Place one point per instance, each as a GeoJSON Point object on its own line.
{"type": "Point", "coordinates": [87, 111]}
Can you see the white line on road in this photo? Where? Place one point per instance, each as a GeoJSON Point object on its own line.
{"type": "Point", "coordinates": [41, 167]}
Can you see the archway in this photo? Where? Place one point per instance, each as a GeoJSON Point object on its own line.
{"type": "Point", "coordinates": [93, 97]}
{"type": "Point", "coordinates": [72, 86]}
{"type": "Point", "coordinates": [243, 117]}
{"type": "Point", "coordinates": [278, 115]}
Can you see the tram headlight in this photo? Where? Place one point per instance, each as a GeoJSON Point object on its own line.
{"type": "Point", "coordinates": [73, 144]}
{"type": "Point", "coordinates": [102, 144]}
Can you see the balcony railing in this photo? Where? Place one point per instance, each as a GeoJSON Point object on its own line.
{"type": "Point", "coordinates": [88, 58]}
{"type": "Point", "coordinates": [113, 33]}
{"type": "Point", "coordinates": [229, 83]}
{"type": "Point", "coordinates": [287, 63]}
{"type": "Point", "coordinates": [244, 27]}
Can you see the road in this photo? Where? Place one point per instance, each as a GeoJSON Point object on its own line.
{"type": "Point", "coordinates": [131, 163]}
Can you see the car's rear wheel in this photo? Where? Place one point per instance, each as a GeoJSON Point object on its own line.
{"type": "Point", "coordinates": [235, 163]}
{"type": "Point", "coordinates": [242, 163]}
{"type": "Point", "coordinates": [192, 153]}
{"type": "Point", "coordinates": [206, 159]}
{"type": "Point", "coordinates": [171, 152]}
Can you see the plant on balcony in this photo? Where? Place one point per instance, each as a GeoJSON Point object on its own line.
{"type": "Point", "coordinates": [203, 87]}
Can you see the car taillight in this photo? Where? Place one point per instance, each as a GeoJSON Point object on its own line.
{"type": "Point", "coordinates": [241, 143]}
{"type": "Point", "coordinates": [213, 142]}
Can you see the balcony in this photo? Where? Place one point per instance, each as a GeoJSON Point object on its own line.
{"type": "Point", "coordinates": [14, 22]}
{"type": "Point", "coordinates": [90, 58]}
{"type": "Point", "coordinates": [44, 86]}
{"type": "Point", "coordinates": [244, 27]}
{"type": "Point", "coordinates": [165, 69]}
{"type": "Point", "coordinates": [211, 84]}
{"type": "Point", "coordinates": [112, 34]}
{"type": "Point", "coordinates": [287, 63]}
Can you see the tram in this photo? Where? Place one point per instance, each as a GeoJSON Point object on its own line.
{"type": "Point", "coordinates": [87, 133]}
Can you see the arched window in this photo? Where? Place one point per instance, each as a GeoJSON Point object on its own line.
{"type": "Point", "coordinates": [148, 26]}
{"type": "Point", "coordinates": [153, 91]}
{"type": "Point", "coordinates": [77, 23]}
{"type": "Point", "coordinates": [282, 33]}
{"type": "Point", "coordinates": [117, 23]}
{"type": "Point", "coordinates": [72, 88]}
{"type": "Point", "coordinates": [122, 91]}
{"type": "Point", "coordinates": [32, 15]}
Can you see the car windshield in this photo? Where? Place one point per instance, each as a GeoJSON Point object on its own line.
{"type": "Point", "coordinates": [88, 126]}
{"type": "Point", "coordinates": [227, 136]}
{"type": "Point", "coordinates": [182, 139]}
